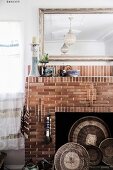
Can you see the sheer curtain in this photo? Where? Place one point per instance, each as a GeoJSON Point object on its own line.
{"type": "Point", "coordinates": [11, 85]}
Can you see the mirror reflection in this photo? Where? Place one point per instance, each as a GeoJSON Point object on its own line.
{"type": "Point", "coordinates": [78, 34]}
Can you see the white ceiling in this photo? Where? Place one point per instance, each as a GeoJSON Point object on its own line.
{"type": "Point", "coordinates": [87, 27]}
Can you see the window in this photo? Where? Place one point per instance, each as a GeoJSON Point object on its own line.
{"type": "Point", "coordinates": [11, 85]}
{"type": "Point", "coordinates": [11, 57]}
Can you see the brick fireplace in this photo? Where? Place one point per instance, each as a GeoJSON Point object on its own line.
{"type": "Point", "coordinates": [57, 95]}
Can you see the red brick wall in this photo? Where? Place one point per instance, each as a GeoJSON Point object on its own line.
{"type": "Point", "coordinates": [61, 94]}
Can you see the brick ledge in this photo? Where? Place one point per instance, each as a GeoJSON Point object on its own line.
{"type": "Point", "coordinates": [70, 79]}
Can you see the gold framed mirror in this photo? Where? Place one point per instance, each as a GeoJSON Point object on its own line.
{"type": "Point", "coordinates": [93, 28]}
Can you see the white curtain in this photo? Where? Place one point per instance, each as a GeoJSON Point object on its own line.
{"type": "Point", "coordinates": [11, 85]}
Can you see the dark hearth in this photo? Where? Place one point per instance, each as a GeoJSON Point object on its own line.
{"type": "Point", "coordinates": [65, 120]}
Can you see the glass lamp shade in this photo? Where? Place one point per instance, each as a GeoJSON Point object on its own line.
{"type": "Point", "coordinates": [70, 38]}
{"type": "Point", "coordinates": [64, 49]}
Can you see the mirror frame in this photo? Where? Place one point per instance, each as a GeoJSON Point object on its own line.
{"type": "Point", "coordinates": [43, 11]}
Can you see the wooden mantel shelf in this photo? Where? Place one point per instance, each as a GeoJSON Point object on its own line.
{"type": "Point", "coordinates": [79, 58]}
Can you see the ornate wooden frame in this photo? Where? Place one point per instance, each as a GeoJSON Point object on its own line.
{"type": "Point", "coordinates": [43, 11]}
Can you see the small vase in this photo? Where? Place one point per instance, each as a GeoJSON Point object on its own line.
{"type": "Point", "coordinates": [34, 67]}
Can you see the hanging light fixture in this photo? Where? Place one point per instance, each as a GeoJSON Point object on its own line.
{"type": "Point", "coordinates": [64, 48]}
{"type": "Point", "coordinates": [70, 37]}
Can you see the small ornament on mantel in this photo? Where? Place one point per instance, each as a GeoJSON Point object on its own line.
{"type": "Point", "coordinates": [44, 60]}
{"type": "Point", "coordinates": [35, 57]}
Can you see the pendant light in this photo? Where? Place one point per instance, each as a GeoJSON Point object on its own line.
{"type": "Point", "coordinates": [64, 48]}
{"type": "Point", "coordinates": [70, 37]}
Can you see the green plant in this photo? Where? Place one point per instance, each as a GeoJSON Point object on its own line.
{"type": "Point", "coordinates": [44, 59]}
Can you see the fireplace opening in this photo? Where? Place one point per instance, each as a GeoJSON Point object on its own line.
{"type": "Point", "coordinates": [65, 120]}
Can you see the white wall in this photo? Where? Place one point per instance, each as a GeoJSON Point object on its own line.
{"type": "Point", "coordinates": [27, 11]}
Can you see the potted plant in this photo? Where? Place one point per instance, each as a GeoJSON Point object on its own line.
{"type": "Point", "coordinates": [44, 60]}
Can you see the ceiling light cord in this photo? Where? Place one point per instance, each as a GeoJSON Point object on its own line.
{"type": "Point", "coordinates": [70, 37]}
{"type": "Point", "coordinates": [70, 19]}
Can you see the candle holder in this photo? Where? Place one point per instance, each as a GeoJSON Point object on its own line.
{"type": "Point", "coordinates": [34, 67]}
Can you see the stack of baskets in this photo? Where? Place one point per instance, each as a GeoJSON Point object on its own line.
{"type": "Point", "coordinates": [89, 144]}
